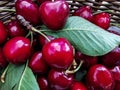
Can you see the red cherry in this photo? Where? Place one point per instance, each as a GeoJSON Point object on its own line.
{"type": "Point", "coordinates": [59, 80]}
{"type": "Point", "coordinates": [116, 73]}
{"type": "Point", "coordinates": [43, 40]}
{"type": "Point", "coordinates": [27, 9]}
{"type": "Point", "coordinates": [15, 29]}
{"type": "Point", "coordinates": [3, 33]}
{"type": "Point", "coordinates": [3, 61]}
{"type": "Point", "coordinates": [85, 12]}
{"type": "Point", "coordinates": [54, 14]}
{"type": "Point", "coordinates": [43, 83]}
{"type": "Point", "coordinates": [37, 63]}
{"type": "Point", "coordinates": [88, 61]}
{"type": "Point", "coordinates": [112, 58]}
{"type": "Point", "coordinates": [17, 50]}
{"type": "Point", "coordinates": [99, 78]}
{"type": "Point", "coordinates": [58, 53]}
{"type": "Point", "coordinates": [78, 86]}
{"type": "Point", "coordinates": [102, 20]}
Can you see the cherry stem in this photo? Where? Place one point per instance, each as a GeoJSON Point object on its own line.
{"type": "Point", "coordinates": [75, 70]}
{"type": "Point", "coordinates": [35, 30]}
{"type": "Point", "coordinates": [30, 27]}
{"type": "Point", "coordinates": [2, 78]}
{"type": "Point", "coordinates": [7, 10]}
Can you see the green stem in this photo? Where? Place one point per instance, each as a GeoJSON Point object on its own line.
{"type": "Point", "coordinates": [75, 70]}
{"type": "Point", "coordinates": [3, 75]}
{"type": "Point", "coordinates": [7, 10]}
{"type": "Point", "coordinates": [31, 33]}
{"type": "Point", "coordinates": [39, 32]}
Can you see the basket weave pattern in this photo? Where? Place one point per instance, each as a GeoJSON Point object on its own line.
{"type": "Point", "coordinates": [111, 6]}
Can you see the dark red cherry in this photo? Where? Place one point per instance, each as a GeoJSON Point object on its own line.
{"type": "Point", "coordinates": [85, 12]}
{"type": "Point", "coordinates": [78, 86]}
{"type": "Point", "coordinates": [27, 9]}
{"type": "Point", "coordinates": [15, 29]}
{"type": "Point", "coordinates": [3, 61]}
{"type": "Point", "coordinates": [37, 63]}
{"type": "Point", "coordinates": [88, 61]}
{"type": "Point", "coordinates": [116, 75]}
{"type": "Point", "coordinates": [54, 14]}
{"type": "Point", "coordinates": [43, 83]}
{"type": "Point", "coordinates": [102, 20]}
{"type": "Point", "coordinates": [59, 80]}
{"type": "Point", "coordinates": [58, 53]}
{"type": "Point", "coordinates": [112, 58]}
{"type": "Point", "coordinates": [3, 33]}
{"type": "Point", "coordinates": [99, 78]}
{"type": "Point", "coordinates": [17, 50]}
{"type": "Point", "coordinates": [43, 40]}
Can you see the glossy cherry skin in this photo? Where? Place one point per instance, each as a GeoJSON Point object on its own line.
{"type": "Point", "coordinates": [43, 83]}
{"type": "Point", "coordinates": [58, 53]}
{"type": "Point", "coordinates": [37, 63]}
{"type": "Point", "coordinates": [102, 20]}
{"type": "Point", "coordinates": [78, 86]}
{"type": "Point", "coordinates": [17, 50]}
{"type": "Point", "coordinates": [99, 78]}
{"type": "Point", "coordinates": [85, 12]}
{"type": "Point", "coordinates": [88, 61]}
{"type": "Point", "coordinates": [3, 33]}
{"type": "Point", "coordinates": [116, 75]}
{"type": "Point", "coordinates": [43, 40]}
{"type": "Point", "coordinates": [27, 9]}
{"type": "Point", "coordinates": [112, 58]}
{"type": "Point", "coordinates": [3, 60]}
{"type": "Point", "coordinates": [54, 14]}
{"type": "Point", "coordinates": [59, 80]}
{"type": "Point", "coordinates": [15, 29]}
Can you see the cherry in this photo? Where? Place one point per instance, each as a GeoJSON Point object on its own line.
{"type": "Point", "coordinates": [59, 80]}
{"type": "Point", "coordinates": [112, 57]}
{"type": "Point", "coordinates": [78, 86]}
{"type": "Point", "coordinates": [99, 78]}
{"type": "Point", "coordinates": [88, 61]}
{"type": "Point", "coordinates": [102, 20]}
{"type": "Point", "coordinates": [58, 53]}
{"type": "Point", "coordinates": [3, 61]}
{"type": "Point", "coordinates": [17, 50]}
{"type": "Point", "coordinates": [54, 14]}
{"type": "Point", "coordinates": [85, 12]}
{"type": "Point", "coordinates": [116, 73]}
{"type": "Point", "coordinates": [3, 33]}
{"type": "Point", "coordinates": [37, 63]}
{"type": "Point", "coordinates": [43, 83]}
{"type": "Point", "coordinates": [15, 29]}
{"type": "Point", "coordinates": [27, 9]}
{"type": "Point", "coordinates": [43, 40]}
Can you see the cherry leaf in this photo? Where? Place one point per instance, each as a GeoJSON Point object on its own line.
{"type": "Point", "coordinates": [86, 37]}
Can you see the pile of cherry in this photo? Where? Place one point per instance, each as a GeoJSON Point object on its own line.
{"type": "Point", "coordinates": [54, 60]}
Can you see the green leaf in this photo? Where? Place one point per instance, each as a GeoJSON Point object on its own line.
{"type": "Point", "coordinates": [86, 37]}
{"type": "Point", "coordinates": [19, 77]}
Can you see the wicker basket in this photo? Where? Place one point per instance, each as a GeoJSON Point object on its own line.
{"type": "Point", "coordinates": [111, 6]}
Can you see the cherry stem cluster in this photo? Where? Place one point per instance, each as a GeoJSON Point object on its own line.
{"type": "Point", "coordinates": [75, 70]}
{"type": "Point", "coordinates": [30, 27]}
